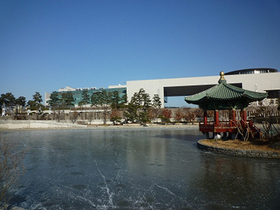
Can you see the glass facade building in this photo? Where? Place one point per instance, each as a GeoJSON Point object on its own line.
{"type": "Point", "coordinates": [77, 93]}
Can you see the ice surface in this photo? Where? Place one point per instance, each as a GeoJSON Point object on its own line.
{"type": "Point", "coordinates": [139, 169]}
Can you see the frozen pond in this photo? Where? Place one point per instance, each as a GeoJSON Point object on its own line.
{"type": "Point", "coordinates": [139, 169]}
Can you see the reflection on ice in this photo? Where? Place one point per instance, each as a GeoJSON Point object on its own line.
{"type": "Point", "coordinates": [139, 169]}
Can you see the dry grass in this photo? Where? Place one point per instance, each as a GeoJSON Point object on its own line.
{"type": "Point", "coordinates": [238, 144]}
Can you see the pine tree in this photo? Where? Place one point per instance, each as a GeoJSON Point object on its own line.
{"type": "Point", "coordinates": [138, 107]}
{"type": "Point", "coordinates": [85, 100]}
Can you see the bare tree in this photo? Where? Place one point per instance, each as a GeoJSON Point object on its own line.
{"type": "Point", "coordinates": [73, 116]}
{"type": "Point", "coordinates": [179, 115]}
{"type": "Point", "coordinates": [90, 117]}
{"type": "Point", "coordinates": [165, 115]}
{"type": "Point", "coordinates": [11, 167]}
{"type": "Point", "coordinates": [267, 113]}
{"type": "Point", "coordinates": [115, 116]}
{"type": "Point", "coordinates": [192, 113]}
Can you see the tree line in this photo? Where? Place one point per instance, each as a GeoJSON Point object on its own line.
{"type": "Point", "coordinates": [110, 103]}
{"type": "Point", "coordinates": [8, 102]}
{"type": "Point", "coordinates": [110, 106]}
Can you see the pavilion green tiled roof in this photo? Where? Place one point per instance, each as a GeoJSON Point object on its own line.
{"type": "Point", "coordinates": [224, 96]}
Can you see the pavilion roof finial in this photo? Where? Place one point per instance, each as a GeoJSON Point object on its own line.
{"type": "Point", "coordinates": [222, 75]}
{"type": "Point", "coordinates": [222, 78]}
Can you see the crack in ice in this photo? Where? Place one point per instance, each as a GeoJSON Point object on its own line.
{"type": "Point", "coordinates": [166, 189]}
{"type": "Point", "coordinates": [110, 195]}
{"type": "Point", "coordinates": [85, 199]}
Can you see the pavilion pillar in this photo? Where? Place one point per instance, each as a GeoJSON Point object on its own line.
{"type": "Point", "coordinates": [244, 115]}
{"type": "Point", "coordinates": [233, 117]}
{"type": "Point", "coordinates": [205, 117]}
{"type": "Point", "coordinates": [216, 117]}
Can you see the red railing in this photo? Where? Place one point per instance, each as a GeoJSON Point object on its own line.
{"type": "Point", "coordinates": [245, 128]}
{"type": "Point", "coordinates": [224, 126]}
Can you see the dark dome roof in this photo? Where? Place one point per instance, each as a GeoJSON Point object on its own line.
{"type": "Point", "coordinates": [252, 71]}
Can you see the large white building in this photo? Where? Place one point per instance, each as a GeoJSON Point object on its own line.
{"type": "Point", "coordinates": [258, 79]}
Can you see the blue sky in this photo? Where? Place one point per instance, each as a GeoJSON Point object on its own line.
{"type": "Point", "coordinates": [46, 45]}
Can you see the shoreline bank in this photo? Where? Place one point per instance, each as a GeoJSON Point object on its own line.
{"type": "Point", "coordinates": [241, 149]}
{"type": "Point", "coordinates": [9, 125]}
